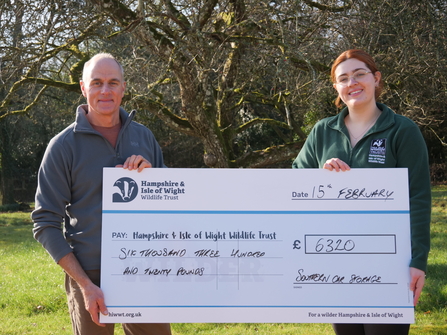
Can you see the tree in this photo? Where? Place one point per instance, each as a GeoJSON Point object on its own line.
{"type": "Point", "coordinates": [31, 55]}
{"type": "Point", "coordinates": [408, 40]}
{"type": "Point", "coordinates": [240, 83]}
{"type": "Point", "coordinates": [230, 67]}
{"type": "Point", "coordinates": [6, 136]}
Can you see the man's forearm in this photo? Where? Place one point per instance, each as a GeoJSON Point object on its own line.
{"type": "Point", "coordinates": [93, 296]}
{"type": "Point", "coordinates": [73, 268]}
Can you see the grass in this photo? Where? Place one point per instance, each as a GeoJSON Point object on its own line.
{"type": "Point", "coordinates": [32, 298]}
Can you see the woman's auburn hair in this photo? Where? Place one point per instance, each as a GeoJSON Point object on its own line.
{"type": "Point", "coordinates": [363, 57]}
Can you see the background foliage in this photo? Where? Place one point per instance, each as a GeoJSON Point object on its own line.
{"type": "Point", "coordinates": [222, 83]}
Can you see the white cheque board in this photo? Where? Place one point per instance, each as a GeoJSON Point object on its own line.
{"type": "Point", "coordinates": [256, 245]}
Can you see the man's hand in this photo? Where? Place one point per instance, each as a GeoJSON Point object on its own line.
{"type": "Point", "coordinates": [136, 162]}
{"type": "Point", "coordinates": [417, 283]}
{"type": "Point", "coordinates": [93, 296]}
{"type": "Point", "coordinates": [94, 302]}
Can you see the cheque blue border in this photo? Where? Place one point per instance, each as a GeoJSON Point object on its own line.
{"type": "Point", "coordinates": [248, 306]}
{"type": "Point", "coordinates": [111, 211]}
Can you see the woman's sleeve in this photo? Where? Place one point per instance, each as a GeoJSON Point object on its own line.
{"type": "Point", "coordinates": [307, 158]}
{"type": "Point", "coordinates": [412, 153]}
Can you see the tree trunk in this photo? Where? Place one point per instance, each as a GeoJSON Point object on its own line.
{"type": "Point", "coordinates": [6, 163]}
{"type": "Point", "coordinates": [6, 157]}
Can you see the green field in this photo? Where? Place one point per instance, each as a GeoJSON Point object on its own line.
{"type": "Point", "coordinates": [32, 298]}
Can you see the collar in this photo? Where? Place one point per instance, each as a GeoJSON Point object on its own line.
{"type": "Point", "coordinates": [82, 124]}
{"type": "Point", "coordinates": [385, 120]}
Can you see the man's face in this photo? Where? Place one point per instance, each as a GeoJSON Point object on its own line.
{"type": "Point", "coordinates": [103, 86]}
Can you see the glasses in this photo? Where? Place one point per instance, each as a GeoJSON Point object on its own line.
{"type": "Point", "coordinates": [358, 77]}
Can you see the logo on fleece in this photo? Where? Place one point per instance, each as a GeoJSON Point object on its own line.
{"type": "Point", "coordinates": [377, 151]}
{"type": "Point", "coordinates": [127, 190]}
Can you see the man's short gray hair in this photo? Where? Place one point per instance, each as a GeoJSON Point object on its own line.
{"type": "Point", "coordinates": [97, 57]}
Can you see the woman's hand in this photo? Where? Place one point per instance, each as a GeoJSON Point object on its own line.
{"type": "Point", "coordinates": [417, 283]}
{"type": "Point", "coordinates": [336, 164]}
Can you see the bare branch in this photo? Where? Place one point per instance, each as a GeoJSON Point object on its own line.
{"type": "Point", "coordinates": [27, 108]}
{"type": "Point", "coordinates": [166, 115]}
{"type": "Point", "coordinates": [178, 17]}
{"type": "Point", "coordinates": [206, 12]}
{"type": "Point", "coordinates": [326, 7]}
{"type": "Point", "coordinates": [256, 121]}
{"type": "Point", "coordinates": [268, 156]}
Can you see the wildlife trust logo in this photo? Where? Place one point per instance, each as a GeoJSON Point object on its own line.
{"type": "Point", "coordinates": [377, 151]}
{"type": "Point", "coordinates": [127, 190]}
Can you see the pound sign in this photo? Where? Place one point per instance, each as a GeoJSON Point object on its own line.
{"type": "Point", "coordinates": [296, 244]}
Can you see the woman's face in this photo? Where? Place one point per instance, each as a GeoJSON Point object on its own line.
{"type": "Point", "coordinates": [355, 83]}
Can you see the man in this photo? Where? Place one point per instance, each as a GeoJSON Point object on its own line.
{"type": "Point", "coordinates": [70, 190]}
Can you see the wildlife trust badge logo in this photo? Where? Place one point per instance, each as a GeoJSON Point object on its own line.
{"type": "Point", "coordinates": [377, 151]}
{"type": "Point", "coordinates": [127, 190]}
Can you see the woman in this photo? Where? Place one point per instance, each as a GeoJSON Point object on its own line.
{"type": "Point", "coordinates": [367, 134]}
